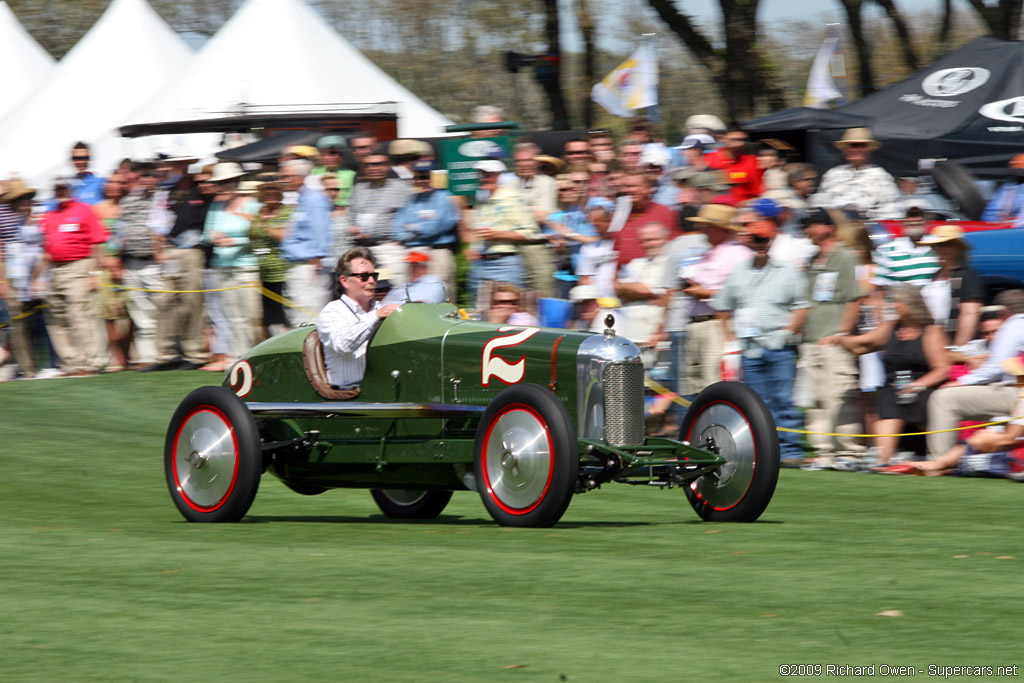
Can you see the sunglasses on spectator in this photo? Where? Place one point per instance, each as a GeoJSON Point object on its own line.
{"type": "Point", "coordinates": [80, 158]}
{"type": "Point", "coordinates": [856, 145]}
{"type": "Point", "coordinates": [332, 189]}
{"type": "Point", "coordinates": [757, 239]}
{"type": "Point", "coordinates": [503, 302]}
{"type": "Point", "coordinates": [365, 276]}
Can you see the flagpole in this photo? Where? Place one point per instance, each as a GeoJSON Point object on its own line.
{"type": "Point", "coordinates": [653, 112]}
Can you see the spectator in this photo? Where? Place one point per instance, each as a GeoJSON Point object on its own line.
{"type": "Point", "coordinates": [1007, 203]}
{"type": "Point", "coordinates": [585, 307]}
{"type": "Point", "coordinates": [540, 192]}
{"type": "Point", "coordinates": [423, 286]}
{"type": "Point", "coordinates": [630, 150]}
{"type": "Point", "coordinates": [740, 167]}
{"type": "Point", "coordinates": [331, 147]}
{"type": "Point", "coordinates": [700, 281]}
{"type": "Point", "coordinates": [904, 259]}
{"type": "Point", "coordinates": [16, 262]}
{"type": "Point", "coordinates": [142, 256]}
{"type": "Point", "coordinates": [404, 153]}
{"type": "Point", "coordinates": [376, 201]}
{"type": "Point", "coordinates": [227, 229]}
{"type": "Point", "coordinates": [654, 161]}
{"type": "Point", "coordinates": [266, 231]}
{"type": "Point", "coordinates": [835, 298]}
{"type": "Point", "coordinates": [859, 184]}
{"type": "Point", "coordinates": [763, 305]}
{"type": "Point", "coordinates": [501, 223]}
{"type": "Point", "coordinates": [486, 113]}
{"type": "Point", "coordinates": [305, 244]}
{"type": "Point", "coordinates": [770, 162]}
{"type": "Point", "coordinates": [984, 391]}
{"type": "Point", "coordinates": [576, 151]}
{"type": "Point", "coordinates": [639, 286]}
{"type": "Point", "coordinates": [427, 223]}
{"type": "Point", "coordinates": [181, 322]}
{"type": "Point", "coordinates": [955, 293]}
{"type": "Point", "coordinates": [86, 187]}
{"type": "Point", "coordinates": [913, 350]}
{"type": "Point", "coordinates": [568, 228]}
{"type": "Point", "coordinates": [642, 211]}
{"type": "Point", "coordinates": [598, 260]}
{"type": "Point", "coordinates": [341, 238]}
{"type": "Point", "coordinates": [346, 324]}
{"type": "Point", "coordinates": [72, 242]}
{"type": "Point", "coordinates": [113, 302]}
{"type": "Point", "coordinates": [507, 307]}
{"type": "Point", "coordinates": [362, 145]}
{"type": "Point", "coordinates": [602, 151]}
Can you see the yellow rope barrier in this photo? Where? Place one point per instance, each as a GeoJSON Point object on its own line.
{"type": "Point", "coordinates": [651, 384]}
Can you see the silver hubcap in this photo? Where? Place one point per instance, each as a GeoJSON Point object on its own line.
{"type": "Point", "coordinates": [518, 459]}
{"type": "Point", "coordinates": [205, 459]}
{"type": "Point", "coordinates": [734, 441]}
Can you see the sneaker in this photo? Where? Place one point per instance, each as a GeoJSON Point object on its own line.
{"type": "Point", "coordinates": [49, 373]}
{"type": "Point", "coordinates": [822, 462]}
{"type": "Point", "coordinates": [847, 463]}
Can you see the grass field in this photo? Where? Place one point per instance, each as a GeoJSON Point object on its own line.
{"type": "Point", "coordinates": [101, 579]}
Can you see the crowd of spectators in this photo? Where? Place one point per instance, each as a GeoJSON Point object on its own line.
{"type": "Point", "coordinates": [702, 253]}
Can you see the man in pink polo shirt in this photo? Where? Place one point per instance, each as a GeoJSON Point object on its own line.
{"type": "Point", "coordinates": [72, 235]}
{"type": "Point", "coordinates": [642, 211]}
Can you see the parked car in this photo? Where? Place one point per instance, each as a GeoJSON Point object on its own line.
{"type": "Point", "coordinates": [525, 416]}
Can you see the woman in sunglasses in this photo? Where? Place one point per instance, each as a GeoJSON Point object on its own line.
{"type": "Point", "coordinates": [346, 324]}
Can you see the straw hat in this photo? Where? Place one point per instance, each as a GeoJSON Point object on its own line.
{"type": "Point", "coordinates": [857, 135]}
{"type": "Point", "coordinates": [554, 163]}
{"type": "Point", "coordinates": [226, 170]}
{"type": "Point", "coordinates": [718, 215]}
{"type": "Point", "coordinates": [249, 187]}
{"type": "Point", "coordinates": [944, 233]}
{"type": "Point", "coordinates": [17, 190]}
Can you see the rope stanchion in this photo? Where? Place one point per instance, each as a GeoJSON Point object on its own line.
{"type": "Point", "coordinates": [651, 384]}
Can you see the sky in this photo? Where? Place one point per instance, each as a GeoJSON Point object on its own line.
{"type": "Point", "coordinates": [828, 10]}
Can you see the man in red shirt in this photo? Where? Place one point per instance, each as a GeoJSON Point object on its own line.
{"type": "Point", "coordinates": [741, 170]}
{"type": "Point", "coordinates": [72, 235]}
{"type": "Point", "coordinates": [643, 211]}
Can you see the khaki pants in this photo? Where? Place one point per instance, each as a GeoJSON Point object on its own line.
{"type": "Point", "coordinates": [947, 407]}
{"type": "Point", "coordinates": [833, 379]}
{"type": "Point", "coordinates": [21, 342]}
{"type": "Point", "coordinates": [703, 355]}
{"type": "Point", "coordinates": [71, 323]}
{"type": "Point", "coordinates": [143, 276]}
{"type": "Point", "coordinates": [180, 317]}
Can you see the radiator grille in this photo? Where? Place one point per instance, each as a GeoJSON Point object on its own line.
{"type": "Point", "coordinates": [624, 404]}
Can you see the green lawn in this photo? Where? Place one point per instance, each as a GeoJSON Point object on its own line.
{"type": "Point", "coordinates": [101, 579]}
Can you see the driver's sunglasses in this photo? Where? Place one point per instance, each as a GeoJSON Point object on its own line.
{"type": "Point", "coordinates": [365, 276]}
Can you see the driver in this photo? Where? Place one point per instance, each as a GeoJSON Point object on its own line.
{"type": "Point", "coordinates": [345, 324]}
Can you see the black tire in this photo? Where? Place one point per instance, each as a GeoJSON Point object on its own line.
{"type": "Point", "coordinates": [744, 433]}
{"type": "Point", "coordinates": [526, 458]}
{"type": "Point", "coordinates": [402, 504]}
{"type": "Point", "coordinates": [956, 183]}
{"type": "Point", "coordinates": [212, 456]}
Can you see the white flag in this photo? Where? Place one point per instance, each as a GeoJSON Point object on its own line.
{"type": "Point", "coordinates": [631, 85]}
{"type": "Point", "coordinates": [828, 65]}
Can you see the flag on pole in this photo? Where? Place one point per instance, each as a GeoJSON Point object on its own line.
{"type": "Point", "coordinates": [828, 68]}
{"type": "Point", "coordinates": [631, 85]}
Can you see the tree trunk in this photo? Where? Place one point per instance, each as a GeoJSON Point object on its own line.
{"type": "Point", "coordinates": [586, 22]}
{"type": "Point", "coordinates": [946, 27]}
{"type": "Point", "coordinates": [739, 72]}
{"type": "Point", "coordinates": [1003, 19]}
{"type": "Point", "coordinates": [860, 43]}
{"type": "Point", "coordinates": [549, 71]}
{"type": "Point", "coordinates": [902, 31]}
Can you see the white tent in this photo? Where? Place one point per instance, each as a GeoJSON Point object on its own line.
{"type": "Point", "coordinates": [126, 57]}
{"type": "Point", "coordinates": [25, 63]}
{"type": "Point", "coordinates": [281, 55]}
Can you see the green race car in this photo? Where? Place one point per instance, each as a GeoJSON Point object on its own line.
{"type": "Point", "coordinates": [525, 416]}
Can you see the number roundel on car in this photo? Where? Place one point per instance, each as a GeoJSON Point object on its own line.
{"type": "Point", "coordinates": [495, 366]}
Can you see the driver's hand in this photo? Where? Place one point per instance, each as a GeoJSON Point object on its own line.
{"type": "Point", "coordinates": [385, 311]}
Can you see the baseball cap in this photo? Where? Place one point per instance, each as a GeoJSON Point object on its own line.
{"type": "Point", "coordinates": [490, 166]}
{"type": "Point", "coordinates": [700, 140]}
{"type": "Point", "coordinates": [817, 217]}
{"type": "Point", "coordinates": [416, 257]}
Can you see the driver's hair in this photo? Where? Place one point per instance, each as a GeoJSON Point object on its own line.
{"type": "Point", "coordinates": [345, 262]}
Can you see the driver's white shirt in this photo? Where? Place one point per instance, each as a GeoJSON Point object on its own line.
{"type": "Point", "coordinates": [345, 330]}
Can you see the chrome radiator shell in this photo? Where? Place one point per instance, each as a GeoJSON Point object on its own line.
{"type": "Point", "coordinates": [610, 391]}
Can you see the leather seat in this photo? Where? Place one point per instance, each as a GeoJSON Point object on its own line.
{"type": "Point", "coordinates": [316, 371]}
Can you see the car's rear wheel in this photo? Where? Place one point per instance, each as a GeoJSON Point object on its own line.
{"type": "Point", "coordinates": [404, 504]}
{"type": "Point", "coordinates": [526, 458]}
{"type": "Point", "coordinates": [956, 183]}
{"type": "Point", "coordinates": [730, 419]}
{"type": "Point", "coordinates": [212, 456]}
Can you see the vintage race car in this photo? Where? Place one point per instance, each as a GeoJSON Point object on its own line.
{"type": "Point", "coordinates": [525, 416]}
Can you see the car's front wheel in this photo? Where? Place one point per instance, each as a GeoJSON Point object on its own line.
{"type": "Point", "coordinates": [526, 458]}
{"type": "Point", "coordinates": [730, 419]}
{"type": "Point", "coordinates": [403, 504]}
{"type": "Point", "coordinates": [212, 456]}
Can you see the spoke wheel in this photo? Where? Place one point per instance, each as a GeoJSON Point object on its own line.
{"type": "Point", "coordinates": [526, 457]}
{"type": "Point", "coordinates": [212, 456]}
{"type": "Point", "coordinates": [730, 419]}
{"type": "Point", "coordinates": [405, 504]}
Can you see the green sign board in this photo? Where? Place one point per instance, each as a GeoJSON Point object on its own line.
{"type": "Point", "coordinates": [459, 155]}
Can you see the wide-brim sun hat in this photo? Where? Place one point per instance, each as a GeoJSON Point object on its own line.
{"type": "Point", "coordinates": [226, 170]}
{"type": "Point", "coordinates": [716, 215]}
{"type": "Point", "coordinates": [17, 190]}
{"type": "Point", "coordinates": [862, 135]}
{"type": "Point", "coordinates": [943, 234]}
